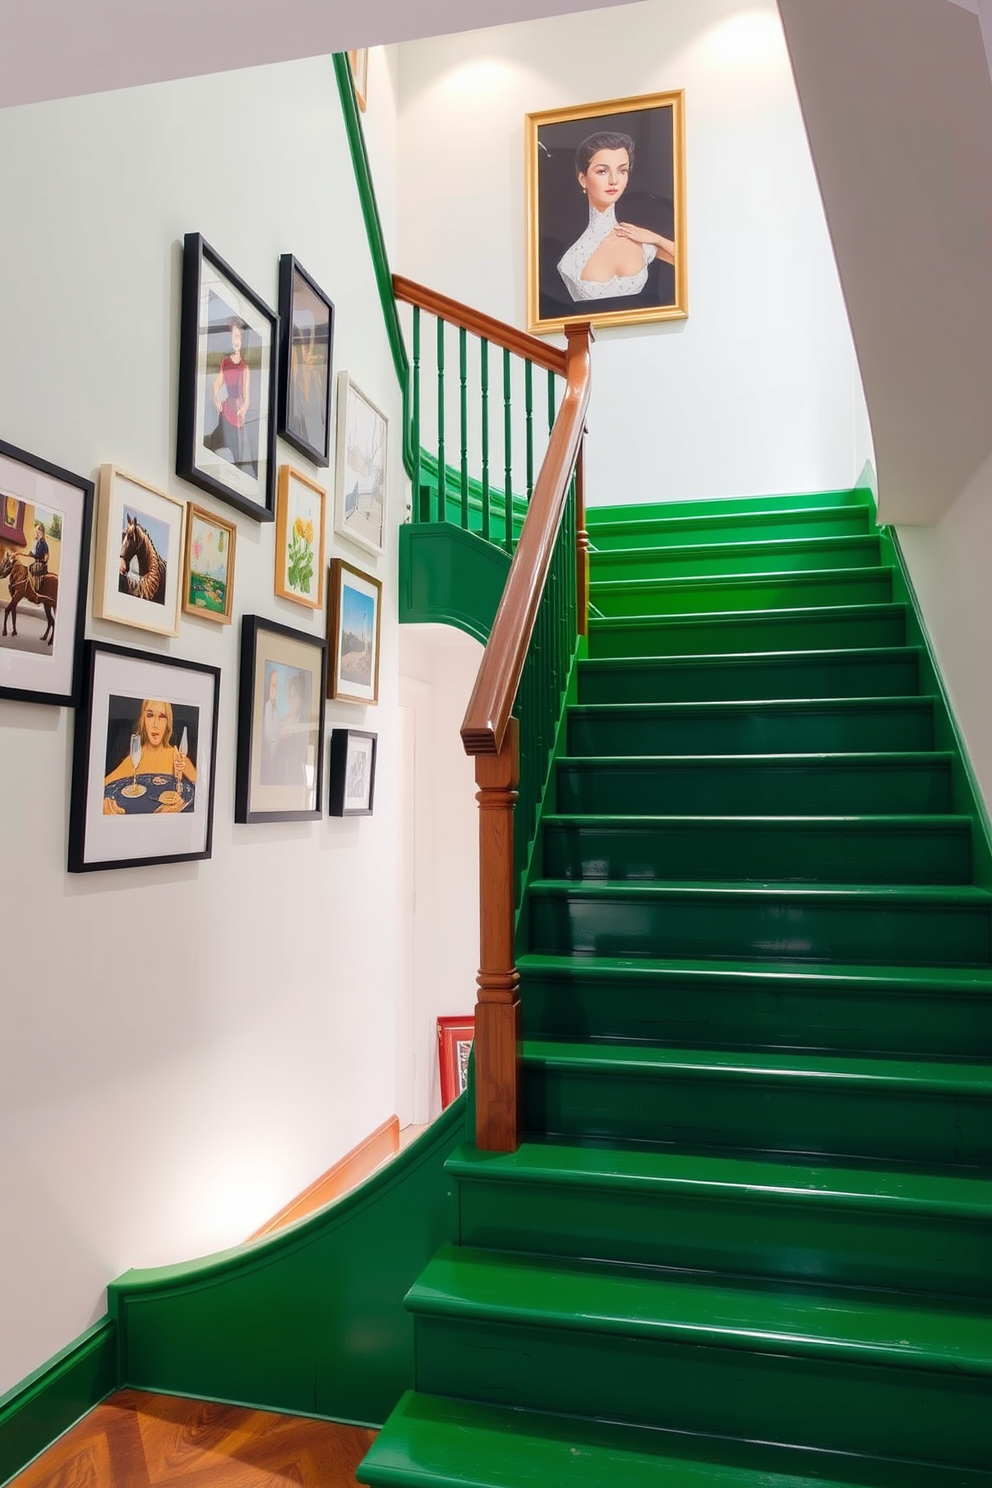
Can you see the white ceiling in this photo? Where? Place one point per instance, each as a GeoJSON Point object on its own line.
{"type": "Point", "coordinates": [58, 48]}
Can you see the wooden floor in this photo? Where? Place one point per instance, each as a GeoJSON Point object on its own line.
{"type": "Point", "coordinates": [134, 1440]}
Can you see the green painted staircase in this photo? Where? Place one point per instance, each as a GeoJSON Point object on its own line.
{"type": "Point", "coordinates": [746, 1240]}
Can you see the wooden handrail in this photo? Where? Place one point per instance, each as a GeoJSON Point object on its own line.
{"type": "Point", "coordinates": [495, 691]}
{"type": "Point", "coordinates": [531, 348]}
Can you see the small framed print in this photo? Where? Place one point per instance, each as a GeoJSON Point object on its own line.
{"type": "Point", "coordinates": [300, 539]}
{"type": "Point", "coordinates": [139, 548]}
{"type": "Point", "coordinates": [143, 763]}
{"type": "Point", "coordinates": [208, 572]}
{"type": "Point", "coordinates": [352, 774]}
{"type": "Point", "coordinates": [46, 516]}
{"type": "Point", "coordinates": [353, 620]}
{"type": "Point", "coordinates": [454, 1045]}
{"type": "Point", "coordinates": [360, 475]}
{"type": "Point", "coordinates": [358, 61]}
{"type": "Point", "coordinates": [306, 343]}
{"type": "Point", "coordinates": [280, 723]}
{"type": "Point", "coordinates": [227, 386]}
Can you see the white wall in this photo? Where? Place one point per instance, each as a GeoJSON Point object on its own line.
{"type": "Point", "coordinates": [756, 391]}
{"type": "Point", "coordinates": [182, 1048]}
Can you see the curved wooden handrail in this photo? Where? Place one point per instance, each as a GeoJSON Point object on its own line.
{"type": "Point", "coordinates": [495, 691]}
{"type": "Point", "coordinates": [531, 348]}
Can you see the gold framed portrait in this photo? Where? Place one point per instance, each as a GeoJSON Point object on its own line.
{"type": "Point", "coordinates": [606, 233]}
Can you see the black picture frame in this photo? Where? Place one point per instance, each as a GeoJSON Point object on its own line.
{"type": "Point", "coordinates": [279, 775]}
{"type": "Point", "coordinates": [236, 462]}
{"type": "Point", "coordinates": [306, 356]}
{"type": "Point", "coordinates": [45, 667]}
{"type": "Point", "coordinates": [353, 751]}
{"type": "Point", "coordinates": [156, 816]}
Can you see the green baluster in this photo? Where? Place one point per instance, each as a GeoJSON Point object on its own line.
{"type": "Point", "coordinates": [484, 369]}
{"type": "Point", "coordinates": [442, 502]}
{"type": "Point", "coordinates": [419, 515]}
{"type": "Point", "coordinates": [551, 401]}
{"type": "Point", "coordinates": [529, 424]}
{"type": "Point", "coordinates": [463, 378]}
{"type": "Point", "coordinates": [507, 457]}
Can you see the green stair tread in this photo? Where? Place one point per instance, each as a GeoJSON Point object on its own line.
{"type": "Point", "coordinates": [956, 980]}
{"type": "Point", "coordinates": [704, 1309]}
{"type": "Point", "coordinates": [821, 655]}
{"type": "Point", "coordinates": [944, 1078]}
{"type": "Point", "coordinates": [891, 758]}
{"type": "Point", "coordinates": [778, 615]}
{"type": "Point", "coordinates": [871, 894]}
{"type": "Point", "coordinates": [963, 1196]}
{"type": "Point", "coordinates": [895, 821]}
{"type": "Point", "coordinates": [829, 543]}
{"type": "Point", "coordinates": [780, 501]}
{"type": "Point", "coordinates": [435, 1442]}
{"type": "Point", "coordinates": [712, 707]}
{"type": "Point", "coordinates": [797, 579]}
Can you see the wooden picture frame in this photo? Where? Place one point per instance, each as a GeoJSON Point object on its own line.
{"type": "Point", "coordinates": [454, 1045]}
{"type": "Point", "coordinates": [137, 578]}
{"type": "Point", "coordinates": [226, 435]}
{"type": "Point", "coordinates": [279, 769]}
{"type": "Point", "coordinates": [299, 572]}
{"type": "Point", "coordinates": [358, 61]}
{"type": "Point", "coordinates": [129, 810]}
{"type": "Point", "coordinates": [306, 354]}
{"type": "Point", "coordinates": [354, 617]}
{"type": "Point", "coordinates": [606, 189]}
{"type": "Point", "coordinates": [208, 566]}
{"type": "Point", "coordinates": [41, 645]}
{"type": "Point", "coordinates": [351, 790]}
{"type": "Point", "coordinates": [360, 491]}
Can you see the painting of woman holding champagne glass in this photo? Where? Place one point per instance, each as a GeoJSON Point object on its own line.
{"type": "Point", "coordinates": [157, 773]}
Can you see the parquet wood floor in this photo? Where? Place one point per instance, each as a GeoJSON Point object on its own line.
{"type": "Point", "coordinates": [135, 1440]}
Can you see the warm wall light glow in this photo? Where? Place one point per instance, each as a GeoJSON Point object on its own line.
{"type": "Point", "coordinates": [481, 75]}
{"type": "Point", "coordinates": [747, 39]}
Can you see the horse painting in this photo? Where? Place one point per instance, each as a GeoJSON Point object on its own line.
{"type": "Point", "coordinates": [150, 581]}
{"type": "Point", "coordinates": [22, 586]}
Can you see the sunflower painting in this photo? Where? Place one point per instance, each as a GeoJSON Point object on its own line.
{"type": "Point", "coordinates": [299, 539]}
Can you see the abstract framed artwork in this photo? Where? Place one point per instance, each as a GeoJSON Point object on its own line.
{"type": "Point", "coordinates": [351, 790]}
{"type": "Point", "coordinates": [454, 1045]}
{"type": "Point", "coordinates": [306, 344]}
{"type": "Point", "coordinates": [358, 61]}
{"type": "Point", "coordinates": [300, 539]}
{"type": "Point", "coordinates": [280, 723]}
{"type": "Point", "coordinates": [139, 552]}
{"type": "Point", "coordinates": [360, 473]}
{"type": "Point", "coordinates": [46, 516]}
{"type": "Point", "coordinates": [353, 622]}
{"type": "Point", "coordinates": [606, 235]}
{"type": "Point", "coordinates": [208, 571]}
{"type": "Point", "coordinates": [227, 384]}
{"type": "Point", "coordinates": [144, 759]}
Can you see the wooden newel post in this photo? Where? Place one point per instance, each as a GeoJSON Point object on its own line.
{"type": "Point", "coordinates": [497, 1012]}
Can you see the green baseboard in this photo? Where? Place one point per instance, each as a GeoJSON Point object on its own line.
{"type": "Point", "coordinates": [50, 1400]}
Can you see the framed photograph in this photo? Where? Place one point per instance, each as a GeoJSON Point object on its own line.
{"type": "Point", "coordinates": [208, 572]}
{"type": "Point", "coordinates": [143, 763]}
{"type": "Point", "coordinates": [300, 539]}
{"type": "Point", "coordinates": [306, 344]}
{"type": "Point", "coordinates": [352, 787]}
{"type": "Point", "coordinates": [280, 723]}
{"type": "Point", "coordinates": [227, 386]}
{"type": "Point", "coordinates": [360, 483]}
{"type": "Point", "coordinates": [454, 1045]}
{"type": "Point", "coordinates": [353, 616]}
{"type": "Point", "coordinates": [358, 61]}
{"type": "Point", "coordinates": [139, 545]}
{"type": "Point", "coordinates": [606, 213]}
{"type": "Point", "coordinates": [46, 515]}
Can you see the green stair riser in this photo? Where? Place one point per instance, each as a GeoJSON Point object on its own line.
{"type": "Point", "coordinates": [695, 531]}
{"type": "Point", "coordinates": [793, 501]}
{"type": "Point", "coordinates": [797, 630]}
{"type": "Point", "coordinates": [708, 596]}
{"type": "Point", "coordinates": [836, 1404]}
{"type": "Point", "coordinates": [842, 674]}
{"type": "Point", "coordinates": [842, 727]}
{"type": "Point", "coordinates": [753, 1011]}
{"type": "Point", "coordinates": [803, 850]}
{"type": "Point", "coordinates": [755, 786]}
{"type": "Point", "coordinates": [750, 923]}
{"type": "Point", "coordinates": [799, 1237]}
{"type": "Point", "coordinates": [737, 558]}
{"type": "Point", "coordinates": [754, 1112]}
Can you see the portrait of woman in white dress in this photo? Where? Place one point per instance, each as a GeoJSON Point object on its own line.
{"type": "Point", "coordinates": [605, 214]}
